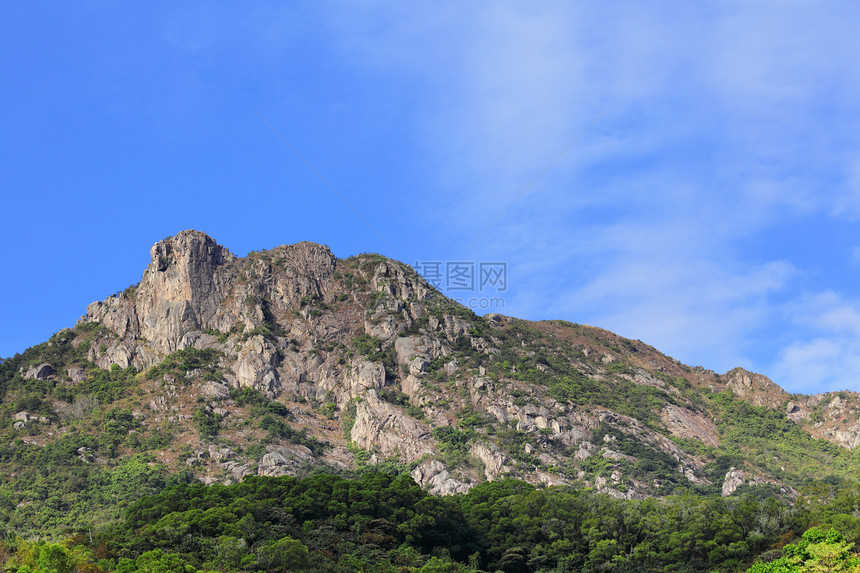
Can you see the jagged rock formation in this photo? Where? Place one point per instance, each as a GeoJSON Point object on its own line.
{"type": "Point", "coordinates": [755, 388]}
{"type": "Point", "coordinates": [193, 285]}
{"type": "Point", "coordinates": [363, 356]}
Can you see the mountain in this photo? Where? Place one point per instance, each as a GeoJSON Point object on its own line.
{"type": "Point", "coordinates": [216, 367]}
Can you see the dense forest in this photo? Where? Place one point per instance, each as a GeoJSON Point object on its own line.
{"type": "Point", "coordinates": [385, 522]}
{"type": "Point", "coordinates": [290, 411]}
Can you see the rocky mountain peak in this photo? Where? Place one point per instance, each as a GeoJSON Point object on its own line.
{"type": "Point", "coordinates": [182, 288]}
{"type": "Point", "coordinates": [290, 361]}
{"type": "Point", "coordinates": [189, 254]}
{"type": "Point", "coordinates": [193, 285]}
{"type": "Point", "coordinates": [367, 357]}
{"type": "Point", "coordinates": [755, 388]}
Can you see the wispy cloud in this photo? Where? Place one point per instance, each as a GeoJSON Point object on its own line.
{"type": "Point", "coordinates": [665, 285]}
{"type": "Point", "coordinates": [690, 216]}
{"type": "Point", "coordinates": [826, 356]}
{"type": "Point", "coordinates": [723, 123]}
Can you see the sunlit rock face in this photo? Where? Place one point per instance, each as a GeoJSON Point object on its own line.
{"type": "Point", "coordinates": [382, 367]}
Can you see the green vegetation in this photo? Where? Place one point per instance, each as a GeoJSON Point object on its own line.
{"type": "Point", "coordinates": [529, 356]}
{"type": "Point", "coordinates": [453, 444]}
{"type": "Point", "coordinates": [105, 386]}
{"type": "Point", "coordinates": [260, 405]}
{"type": "Point", "coordinates": [208, 423]}
{"type": "Point", "coordinates": [386, 523]}
{"type": "Point", "coordinates": [64, 486]}
{"type": "Point", "coordinates": [651, 465]}
{"type": "Point", "coordinates": [278, 428]}
{"type": "Point", "coordinates": [399, 398]}
{"type": "Point", "coordinates": [371, 348]}
{"type": "Point", "coordinates": [181, 362]}
{"type": "Point", "coordinates": [766, 439]}
{"type": "Point", "coordinates": [820, 549]}
{"type": "Point", "coordinates": [374, 351]}
{"type": "Point", "coordinates": [65, 349]}
{"type": "Point", "coordinates": [97, 482]}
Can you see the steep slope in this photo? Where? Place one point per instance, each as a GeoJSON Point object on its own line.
{"type": "Point", "coordinates": [215, 367]}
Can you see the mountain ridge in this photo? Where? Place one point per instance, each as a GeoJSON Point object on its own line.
{"type": "Point", "coordinates": [285, 360]}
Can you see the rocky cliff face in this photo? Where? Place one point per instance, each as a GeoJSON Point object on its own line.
{"type": "Point", "coordinates": [193, 285]}
{"type": "Point", "coordinates": [364, 357]}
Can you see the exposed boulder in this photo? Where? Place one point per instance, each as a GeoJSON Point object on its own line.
{"type": "Point", "coordinates": [215, 390]}
{"type": "Point", "coordinates": [119, 354]}
{"type": "Point", "coordinates": [363, 376]}
{"type": "Point", "coordinates": [433, 476]}
{"type": "Point", "coordinates": [755, 388]}
{"type": "Point", "coordinates": [237, 470]}
{"type": "Point", "coordinates": [735, 478]}
{"type": "Point", "coordinates": [85, 455]}
{"type": "Point", "coordinates": [220, 454]}
{"type": "Point", "coordinates": [494, 461]}
{"type": "Point", "coordinates": [408, 348]}
{"type": "Point", "coordinates": [396, 280]}
{"type": "Point", "coordinates": [380, 426]}
{"type": "Point", "coordinates": [256, 365]}
{"type": "Point", "coordinates": [23, 418]}
{"type": "Point", "coordinates": [687, 424]}
{"type": "Point", "coordinates": [77, 375]}
{"type": "Point", "coordinates": [117, 313]}
{"type": "Point", "coordinates": [40, 372]}
{"type": "Point", "coordinates": [283, 460]}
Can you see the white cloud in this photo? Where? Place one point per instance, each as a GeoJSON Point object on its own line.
{"type": "Point", "coordinates": [819, 365]}
{"type": "Point", "coordinates": [722, 122]}
{"type": "Point", "coordinates": [688, 308]}
{"type": "Point", "coordinates": [812, 361]}
{"type": "Point", "coordinates": [827, 312]}
{"type": "Point", "coordinates": [824, 351]}
{"type": "Point", "coordinates": [847, 204]}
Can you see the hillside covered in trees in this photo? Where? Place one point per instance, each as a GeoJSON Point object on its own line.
{"type": "Point", "coordinates": [385, 522]}
{"type": "Point", "coordinates": [291, 410]}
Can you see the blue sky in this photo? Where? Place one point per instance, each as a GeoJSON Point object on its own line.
{"type": "Point", "coordinates": [711, 210]}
